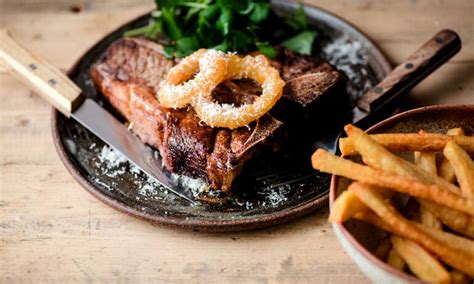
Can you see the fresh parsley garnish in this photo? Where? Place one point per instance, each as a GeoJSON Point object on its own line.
{"type": "Point", "coordinates": [184, 26]}
{"type": "Point", "coordinates": [302, 42]}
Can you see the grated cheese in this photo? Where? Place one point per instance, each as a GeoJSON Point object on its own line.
{"type": "Point", "coordinates": [347, 54]}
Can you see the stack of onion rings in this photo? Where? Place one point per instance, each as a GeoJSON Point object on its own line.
{"type": "Point", "coordinates": [215, 67]}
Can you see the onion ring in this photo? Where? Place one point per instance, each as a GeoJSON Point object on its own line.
{"type": "Point", "coordinates": [176, 92]}
{"type": "Point", "coordinates": [229, 116]}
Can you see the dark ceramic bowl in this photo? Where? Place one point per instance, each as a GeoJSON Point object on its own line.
{"type": "Point", "coordinates": [254, 204]}
{"type": "Point", "coordinates": [360, 239]}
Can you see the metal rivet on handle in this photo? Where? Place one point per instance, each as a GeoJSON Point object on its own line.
{"type": "Point", "coordinates": [409, 65]}
{"type": "Point", "coordinates": [378, 90]}
{"type": "Point", "coordinates": [439, 40]}
{"type": "Point", "coordinates": [32, 67]}
{"type": "Point", "coordinates": [52, 82]}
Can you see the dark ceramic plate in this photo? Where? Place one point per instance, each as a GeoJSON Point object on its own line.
{"type": "Point", "coordinates": [268, 194]}
{"type": "Point", "coordinates": [360, 239]}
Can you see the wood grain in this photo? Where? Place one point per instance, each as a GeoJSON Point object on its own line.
{"type": "Point", "coordinates": [420, 64]}
{"type": "Point", "coordinates": [53, 231]}
{"type": "Point", "coordinates": [46, 80]}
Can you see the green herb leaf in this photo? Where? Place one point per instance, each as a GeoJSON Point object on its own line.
{"type": "Point", "coordinates": [154, 31]}
{"type": "Point", "coordinates": [186, 46]}
{"type": "Point", "coordinates": [302, 42]}
{"type": "Point", "coordinates": [166, 3]}
{"type": "Point", "coordinates": [225, 21]}
{"type": "Point", "coordinates": [260, 12]}
{"type": "Point", "coordinates": [195, 8]}
{"type": "Point", "coordinates": [210, 13]}
{"type": "Point", "coordinates": [168, 51]}
{"type": "Point", "coordinates": [299, 20]}
{"type": "Point", "coordinates": [233, 4]}
{"type": "Point", "coordinates": [240, 41]}
{"type": "Point", "coordinates": [266, 49]}
{"type": "Point", "coordinates": [156, 14]}
{"type": "Point", "coordinates": [300, 17]}
{"type": "Point", "coordinates": [248, 9]}
{"type": "Point", "coordinates": [194, 4]}
{"type": "Point", "coordinates": [170, 26]}
{"type": "Point", "coordinates": [227, 25]}
{"type": "Point", "coordinates": [224, 46]}
{"type": "Point", "coordinates": [139, 31]}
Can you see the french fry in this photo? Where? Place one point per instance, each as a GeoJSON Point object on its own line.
{"type": "Point", "coordinates": [450, 240]}
{"type": "Point", "coordinates": [379, 157]}
{"type": "Point", "coordinates": [347, 204]}
{"type": "Point", "coordinates": [456, 132]}
{"type": "Point", "coordinates": [458, 259]}
{"type": "Point", "coordinates": [420, 262]}
{"type": "Point", "coordinates": [417, 173]}
{"type": "Point", "coordinates": [395, 260]}
{"type": "Point", "coordinates": [454, 219]}
{"type": "Point", "coordinates": [463, 167]}
{"type": "Point", "coordinates": [458, 221]}
{"type": "Point", "coordinates": [427, 161]}
{"type": "Point", "coordinates": [376, 156]}
{"type": "Point", "coordinates": [429, 219]}
{"type": "Point", "coordinates": [370, 217]}
{"type": "Point", "coordinates": [440, 201]}
{"type": "Point", "coordinates": [326, 162]}
{"type": "Point", "coordinates": [454, 241]}
{"type": "Point", "coordinates": [383, 248]}
{"type": "Point", "coordinates": [458, 277]}
{"type": "Point", "coordinates": [429, 142]}
{"type": "Point", "coordinates": [445, 169]}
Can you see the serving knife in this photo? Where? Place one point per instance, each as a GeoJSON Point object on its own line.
{"type": "Point", "coordinates": [56, 88]}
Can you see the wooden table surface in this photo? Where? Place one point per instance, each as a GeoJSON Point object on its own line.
{"type": "Point", "coordinates": [54, 231]}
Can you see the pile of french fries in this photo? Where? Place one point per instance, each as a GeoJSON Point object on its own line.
{"type": "Point", "coordinates": [431, 235]}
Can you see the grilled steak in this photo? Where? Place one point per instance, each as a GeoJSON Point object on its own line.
{"type": "Point", "coordinates": [128, 75]}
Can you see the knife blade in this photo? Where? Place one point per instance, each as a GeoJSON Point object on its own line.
{"type": "Point", "coordinates": [56, 88]}
{"type": "Point", "coordinates": [105, 126]}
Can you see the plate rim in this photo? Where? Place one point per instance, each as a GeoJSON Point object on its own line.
{"type": "Point", "coordinates": [216, 225]}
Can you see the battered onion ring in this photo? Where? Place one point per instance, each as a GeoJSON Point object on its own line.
{"type": "Point", "coordinates": [210, 65]}
{"type": "Point", "coordinates": [229, 116]}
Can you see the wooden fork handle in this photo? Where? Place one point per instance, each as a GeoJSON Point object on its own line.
{"type": "Point", "coordinates": [46, 80]}
{"type": "Point", "coordinates": [405, 76]}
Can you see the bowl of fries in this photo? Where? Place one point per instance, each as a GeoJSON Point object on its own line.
{"type": "Point", "coordinates": [402, 195]}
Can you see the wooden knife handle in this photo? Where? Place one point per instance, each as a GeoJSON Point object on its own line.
{"type": "Point", "coordinates": [46, 80]}
{"type": "Point", "coordinates": [444, 45]}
